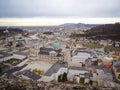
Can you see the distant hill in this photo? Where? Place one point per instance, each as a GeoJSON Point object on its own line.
{"type": "Point", "coordinates": [107, 31]}
{"type": "Point", "coordinates": [78, 25]}
{"type": "Point", "coordinates": [65, 26]}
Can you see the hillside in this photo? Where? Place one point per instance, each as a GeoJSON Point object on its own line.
{"type": "Point", "coordinates": [10, 31]}
{"type": "Point", "coordinates": [108, 31]}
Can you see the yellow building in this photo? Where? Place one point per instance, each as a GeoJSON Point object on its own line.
{"type": "Point", "coordinates": [51, 55]}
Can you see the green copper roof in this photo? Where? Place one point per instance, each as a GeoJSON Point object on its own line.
{"type": "Point", "coordinates": [52, 52]}
{"type": "Point", "coordinates": [56, 44]}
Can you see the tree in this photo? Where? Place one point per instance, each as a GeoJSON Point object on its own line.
{"type": "Point", "coordinates": [0, 69]}
{"type": "Point", "coordinates": [60, 78]}
{"type": "Point", "coordinates": [33, 71]}
{"type": "Point", "coordinates": [118, 76]}
{"type": "Point", "coordinates": [39, 72]}
{"type": "Point", "coordinates": [64, 78]}
{"type": "Point", "coordinates": [81, 81]}
{"type": "Point", "coordinates": [91, 82]}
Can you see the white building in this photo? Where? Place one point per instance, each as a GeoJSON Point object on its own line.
{"type": "Point", "coordinates": [81, 54]}
{"type": "Point", "coordinates": [81, 57]}
{"type": "Point", "coordinates": [77, 70]}
{"type": "Point", "coordinates": [57, 69]}
{"type": "Point", "coordinates": [77, 73]}
{"type": "Point", "coordinates": [17, 55]}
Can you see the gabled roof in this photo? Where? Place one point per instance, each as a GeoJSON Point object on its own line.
{"type": "Point", "coordinates": [46, 49]}
{"type": "Point", "coordinates": [5, 55]}
{"type": "Point", "coordinates": [16, 69]}
{"type": "Point", "coordinates": [77, 68]}
{"type": "Point", "coordinates": [106, 76]}
{"type": "Point", "coordinates": [44, 53]}
{"type": "Point", "coordinates": [21, 53]}
{"type": "Point", "coordinates": [29, 74]}
{"type": "Point", "coordinates": [54, 69]}
{"type": "Point", "coordinates": [88, 75]}
{"type": "Point", "coordinates": [52, 52]}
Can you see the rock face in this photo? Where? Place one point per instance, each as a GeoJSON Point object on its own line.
{"type": "Point", "coordinates": [13, 84]}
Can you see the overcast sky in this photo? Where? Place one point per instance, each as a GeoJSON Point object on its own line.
{"type": "Point", "coordinates": [59, 8]}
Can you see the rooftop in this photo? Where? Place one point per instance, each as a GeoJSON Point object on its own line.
{"type": "Point", "coordinates": [21, 53]}
{"type": "Point", "coordinates": [54, 69]}
{"type": "Point", "coordinates": [29, 74]}
{"type": "Point", "coordinates": [52, 52]}
{"type": "Point", "coordinates": [106, 76]}
{"type": "Point", "coordinates": [47, 51]}
{"type": "Point", "coordinates": [88, 75]}
{"type": "Point", "coordinates": [17, 68]}
{"type": "Point", "coordinates": [5, 55]}
{"type": "Point", "coordinates": [77, 68]}
{"type": "Point", "coordinates": [117, 65]}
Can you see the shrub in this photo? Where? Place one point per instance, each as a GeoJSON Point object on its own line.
{"type": "Point", "coordinates": [0, 69]}
{"type": "Point", "coordinates": [81, 81]}
{"type": "Point", "coordinates": [60, 78]}
{"type": "Point", "coordinates": [64, 78]}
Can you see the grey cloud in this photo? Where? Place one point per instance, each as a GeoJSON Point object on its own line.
{"type": "Point", "coordinates": [51, 8]}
